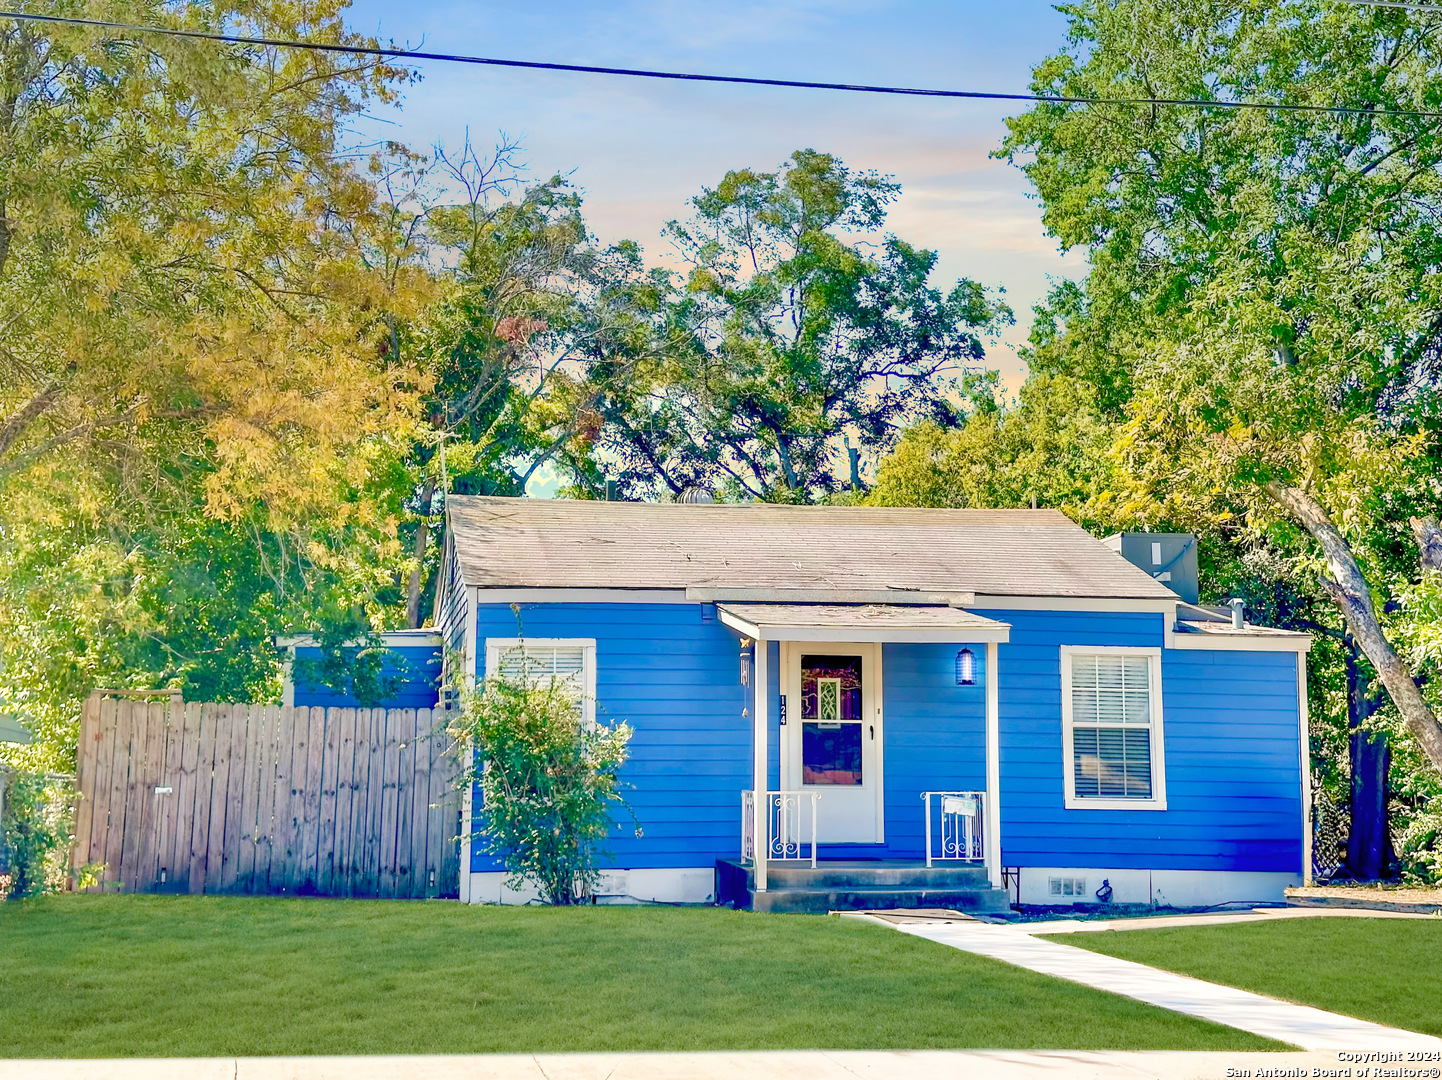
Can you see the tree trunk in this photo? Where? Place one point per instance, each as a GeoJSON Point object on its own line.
{"type": "Point", "coordinates": [1353, 595]}
{"type": "Point", "coordinates": [1369, 841]}
{"type": "Point", "coordinates": [423, 535]}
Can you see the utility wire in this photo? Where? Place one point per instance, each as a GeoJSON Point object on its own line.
{"type": "Point", "coordinates": [682, 76]}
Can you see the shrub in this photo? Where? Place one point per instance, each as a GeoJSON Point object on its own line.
{"type": "Point", "coordinates": [1419, 847]}
{"type": "Point", "coordinates": [35, 832]}
{"type": "Point", "coordinates": [548, 782]}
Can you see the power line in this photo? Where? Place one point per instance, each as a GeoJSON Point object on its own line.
{"type": "Point", "coordinates": [682, 76]}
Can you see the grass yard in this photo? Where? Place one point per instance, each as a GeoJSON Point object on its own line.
{"type": "Point", "coordinates": [1385, 970]}
{"type": "Point", "coordinates": [88, 976]}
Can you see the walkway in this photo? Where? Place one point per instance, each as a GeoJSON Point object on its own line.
{"type": "Point", "coordinates": [738, 1065]}
{"type": "Point", "coordinates": [1299, 1025]}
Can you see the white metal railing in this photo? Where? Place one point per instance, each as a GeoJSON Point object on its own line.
{"type": "Point", "coordinates": [789, 821]}
{"type": "Point", "coordinates": [748, 826]}
{"type": "Point", "coordinates": [962, 835]}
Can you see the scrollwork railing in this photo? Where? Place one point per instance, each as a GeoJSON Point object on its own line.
{"type": "Point", "coordinates": [790, 822]}
{"type": "Point", "coordinates": [961, 820]}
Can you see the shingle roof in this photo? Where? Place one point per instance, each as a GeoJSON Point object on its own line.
{"type": "Point", "coordinates": [558, 543]}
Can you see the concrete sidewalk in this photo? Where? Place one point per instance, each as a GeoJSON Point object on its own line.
{"type": "Point", "coordinates": [1299, 1025]}
{"type": "Point", "coordinates": [1210, 918]}
{"type": "Point", "coordinates": [739, 1065]}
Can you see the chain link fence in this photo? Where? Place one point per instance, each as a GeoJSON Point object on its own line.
{"type": "Point", "coordinates": [1331, 825]}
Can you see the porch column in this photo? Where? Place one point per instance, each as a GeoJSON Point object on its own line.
{"type": "Point", "coordinates": [993, 766]}
{"type": "Point", "coordinates": [760, 805]}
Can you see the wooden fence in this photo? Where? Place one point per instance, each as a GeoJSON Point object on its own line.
{"type": "Point", "coordinates": [182, 797]}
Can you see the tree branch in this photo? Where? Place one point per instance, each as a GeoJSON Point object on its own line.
{"type": "Point", "coordinates": [1349, 589]}
{"type": "Point", "coordinates": [16, 425]}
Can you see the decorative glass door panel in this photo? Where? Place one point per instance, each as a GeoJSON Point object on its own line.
{"type": "Point", "coordinates": [831, 741]}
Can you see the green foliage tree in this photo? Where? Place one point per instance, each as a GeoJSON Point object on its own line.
{"type": "Point", "coordinates": [548, 780]}
{"type": "Point", "coordinates": [1053, 449]}
{"type": "Point", "coordinates": [1262, 309]}
{"type": "Point", "coordinates": [171, 283]}
{"type": "Point", "coordinates": [529, 322]}
{"type": "Point", "coordinates": [799, 326]}
{"type": "Point", "coordinates": [198, 422]}
{"type": "Point", "coordinates": [34, 834]}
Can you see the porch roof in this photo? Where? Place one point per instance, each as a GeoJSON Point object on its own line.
{"type": "Point", "coordinates": [861, 622]}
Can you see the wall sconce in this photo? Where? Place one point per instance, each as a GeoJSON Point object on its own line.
{"type": "Point", "coordinates": [966, 668]}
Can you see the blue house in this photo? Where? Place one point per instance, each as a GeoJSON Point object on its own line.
{"type": "Point", "coordinates": [854, 706]}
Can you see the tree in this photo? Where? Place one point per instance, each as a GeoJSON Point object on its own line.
{"type": "Point", "coordinates": [788, 339]}
{"type": "Point", "coordinates": [1263, 284]}
{"type": "Point", "coordinates": [1053, 449]}
{"type": "Point", "coordinates": [171, 286]}
{"type": "Point", "coordinates": [197, 417]}
{"type": "Point", "coordinates": [529, 321]}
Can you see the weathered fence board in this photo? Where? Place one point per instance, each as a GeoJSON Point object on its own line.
{"type": "Point", "coordinates": [213, 798]}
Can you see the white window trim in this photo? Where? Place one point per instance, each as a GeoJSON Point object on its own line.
{"type": "Point", "coordinates": [1158, 801]}
{"type": "Point", "coordinates": [496, 646]}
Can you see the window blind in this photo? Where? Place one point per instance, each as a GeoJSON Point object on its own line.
{"type": "Point", "coordinates": [1112, 726]}
{"type": "Point", "coordinates": [542, 663]}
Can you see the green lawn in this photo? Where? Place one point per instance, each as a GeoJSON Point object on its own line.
{"type": "Point", "coordinates": [1385, 970]}
{"type": "Point", "coordinates": [158, 975]}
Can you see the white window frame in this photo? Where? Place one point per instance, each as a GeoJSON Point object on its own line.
{"type": "Point", "coordinates": [1158, 800]}
{"type": "Point", "coordinates": [496, 646]}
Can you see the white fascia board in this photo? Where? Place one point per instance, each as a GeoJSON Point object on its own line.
{"type": "Point", "coordinates": [1259, 643]}
{"type": "Point", "coordinates": [999, 632]}
{"type": "Point", "coordinates": [1157, 605]}
{"type": "Point", "coordinates": [389, 638]}
{"type": "Point", "coordinates": [528, 595]}
{"type": "Point", "coordinates": [914, 597]}
{"type": "Point", "coordinates": [745, 628]}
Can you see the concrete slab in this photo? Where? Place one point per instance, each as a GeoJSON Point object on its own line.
{"type": "Point", "coordinates": [1298, 1025]}
{"type": "Point", "coordinates": [736, 1065]}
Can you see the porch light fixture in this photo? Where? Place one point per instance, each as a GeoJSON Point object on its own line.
{"type": "Point", "coordinates": [966, 668]}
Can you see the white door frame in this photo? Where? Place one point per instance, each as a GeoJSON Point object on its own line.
{"type": "Point", "coordinates": [871, 702]}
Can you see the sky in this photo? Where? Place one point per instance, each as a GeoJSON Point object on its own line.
{"type": "Point", "coordinates": [638, 149]}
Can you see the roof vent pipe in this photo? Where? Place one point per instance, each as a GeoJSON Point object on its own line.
{"type": "Point", "coordinates": [1239, 612]}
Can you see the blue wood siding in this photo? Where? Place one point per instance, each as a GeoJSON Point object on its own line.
{"type": "Point", "coordinates": [933, 732]}
{"type": "Point", "coordinates": [1233, 770]}
{"type": "Point", "coordinates": [416, 667]}
{"type": "Point", "coordinates": [674, 676]}
{"type": "Point", "coordinates": [671, 671]}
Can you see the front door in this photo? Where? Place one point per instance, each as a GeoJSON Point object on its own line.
{"type": "Point", "coordinates": [831, 736]}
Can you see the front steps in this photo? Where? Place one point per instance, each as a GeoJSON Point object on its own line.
{"type": "Point", "coordinates": [858, 885]}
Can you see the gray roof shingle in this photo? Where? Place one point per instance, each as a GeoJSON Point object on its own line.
{"type": "Point", "coordinates": [558, 543]}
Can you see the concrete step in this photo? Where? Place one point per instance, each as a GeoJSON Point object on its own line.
{"type": "Point", "coordinates": [881, 875]}
{"type": "Point", "coordinates": [820, 901]}
{"type": "Point", "coordinates": [858, 884]}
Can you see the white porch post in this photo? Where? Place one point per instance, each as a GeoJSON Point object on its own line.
{"type": "Point", "coordinates": [761, 805]}
{"type": "Point", "coordinates": [993, 766]}
{"type": "Point", "coordinates": [471, 658]}
{"type": "Point", "coordinates": [1304, 751]}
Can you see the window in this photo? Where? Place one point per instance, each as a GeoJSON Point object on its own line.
{"type": "Point", "coordinates": [570, 661]}
{"type": "Point", "coordinates": [1067, 886]}
{"type": "Point", "coordinates": [1112, 728]}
